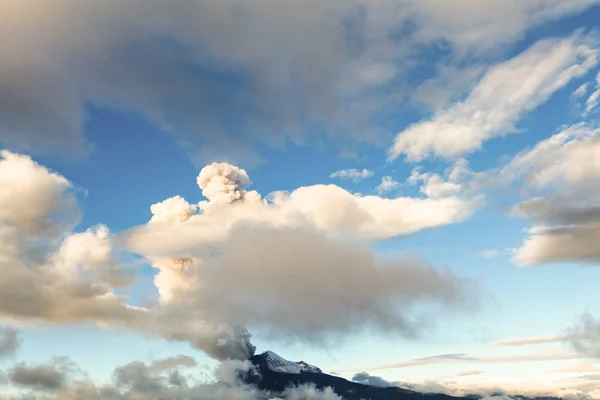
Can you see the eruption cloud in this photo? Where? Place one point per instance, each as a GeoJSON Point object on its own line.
{"type": "Point", "coordinates": [238, 259]}
{"type": "Point", "coordinates": [290, 266]}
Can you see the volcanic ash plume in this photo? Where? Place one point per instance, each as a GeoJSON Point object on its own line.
{"type": "Point", "coordinates": [295, 266]}
{"type": "Point", "coordinates": [174, 209]}
{"type": "Point", "coordinates": [223, 182]}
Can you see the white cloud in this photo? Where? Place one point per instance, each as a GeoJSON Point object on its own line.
{"type": "Point", "coordinates": [581, 90]}
{"type": "Point", "coordinates": [50, 273]}
{"type": "Point", "coordinates": [594, 99]}
{"type": "Point", "coordinates": [266, 254]}
{"type": "Point", "coordinates": [49, 74]}
{"type": "Point", "coordinates": [569, 157]}
{"type": "Point", "coordinates": [352, 174]}
{"type": "Point", "coordinates": [499, 100]}
{"type": "Point", "coordinates": [458, 179]}
{"type": "Point", "coordinates": [559, 171]}
{"type": "Point", "coordinates": [387, 184]}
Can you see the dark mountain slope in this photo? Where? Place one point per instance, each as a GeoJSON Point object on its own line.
{"type": "Point", "coordinates": [277, 374]}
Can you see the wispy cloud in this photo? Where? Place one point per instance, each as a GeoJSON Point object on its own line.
{"type": "Point", "coordinates": [470, 373]}
{"type": "Point", "coordinates": [583, 336]}
{"type": "Point", "coordinates": [490, 253]}
{"type": "Point", "coordinates": [533, 340]}
{"type": "Point", "coordinates": [499, 100]}
{"type": "Point", "coordinates": [352, 174]}
{"type": "Point", "coordinates": [387, 184]}
{"type": "Point", "coordinates": [464, 358]}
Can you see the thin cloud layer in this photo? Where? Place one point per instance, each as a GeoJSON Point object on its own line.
{"type": "Point", "coordinates": [505, 93]}
{"type": "Point", "coordinates": [461, 358]}
{"type": "Point", "coordinates": [353, 174]}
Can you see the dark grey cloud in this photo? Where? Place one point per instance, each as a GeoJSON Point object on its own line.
{"type": "Point", "coordinates": [567, 231]}
{"type": "Point", "coordinates": [154, 378]}
{"type": "Point", "coordinates": [584, 335]}
{"type": "Point", "coordinates": [142, 381]}
{"type": "Point", "coordinates": [49, 377]}
{"type": "Point", "coordinates": [9, 341]}
{"type": "Point", "coordinates": [225, 76]}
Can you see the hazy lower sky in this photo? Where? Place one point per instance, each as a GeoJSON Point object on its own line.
{"type": "Point", "coordinates": [406, 188]}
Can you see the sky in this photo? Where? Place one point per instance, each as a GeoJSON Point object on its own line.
{"type": "Point", "coordinates": [399, 192]}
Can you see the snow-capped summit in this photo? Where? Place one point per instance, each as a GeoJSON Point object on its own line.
{"type": "Point", "coordinates": [275, 363]}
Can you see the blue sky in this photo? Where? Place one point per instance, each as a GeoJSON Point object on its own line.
{"type": "Point", "coordinates": [493, 111]}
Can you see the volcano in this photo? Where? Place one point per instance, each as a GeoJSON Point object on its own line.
{"type": "Point", "coordinates": [275, 374]}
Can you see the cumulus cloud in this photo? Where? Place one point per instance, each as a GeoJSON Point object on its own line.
{"type": "Point", "coordinates": [387, 184]}
{"type": "Point", "coordinates": [51, 273]}
{"type": "Point", "coordinates": [505, 93]}
{"type": "Point", "coordinates": [48, 377]}
{"type": "Point", "coordinates": [189, 67]}
{"type": "Point", "coordinates": [223, 183]}
{"type": "Point", "coordinates": [353, 174]}
{"type": "Point", "coordinates": [252, 261]}
{"type": "Point", "coordinates": [457, 179]}
{"type": "Point", "coordinates": [231, 261]}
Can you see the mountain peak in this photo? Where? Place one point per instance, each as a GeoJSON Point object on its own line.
{"type": "Point", "coordinates": [275, 363]}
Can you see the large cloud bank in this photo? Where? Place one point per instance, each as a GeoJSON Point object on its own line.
{"type": "Point", "coordinates": [189, 66]}
{"type": "Point", "coordinates": [292, 265]}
